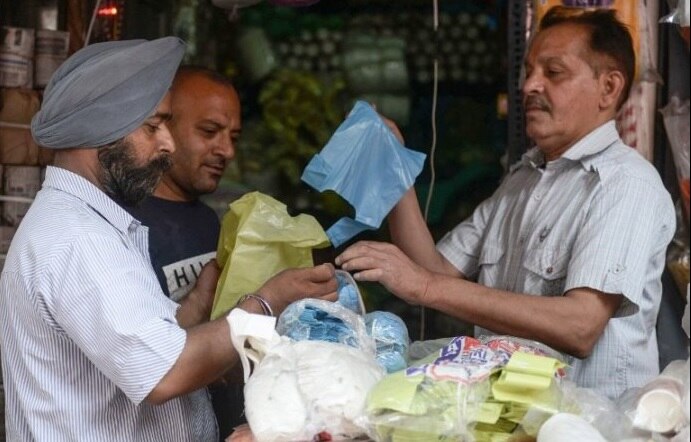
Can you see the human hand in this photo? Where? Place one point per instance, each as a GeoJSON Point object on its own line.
{"type": "Point", "coordinates": [396, 131]}
{"type": "Point", "coordinates": [243, 433]}
{"type": "Point", "coordinates": [204, 290]}
{"type": "Point", "coordinates": [388, 265]}
{"type": "Point", "coordinates": [292, 285]}
{"type": "Point", "coordinates": [195, 308]}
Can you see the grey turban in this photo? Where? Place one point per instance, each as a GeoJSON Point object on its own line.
{"type": "Point", "coordinates": [105, 91]}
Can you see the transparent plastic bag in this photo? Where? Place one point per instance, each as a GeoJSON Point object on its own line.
{"type": "Point", "coordinates": [390, 335]}
{"type": "Point", "coordinates": [319, 320]}
{"type": "Point", "coordinates": [676, 119]}
{"type": "Point", "coordinates": [678, 262]}
{"type": "Point", "coordinates": [679, 15]}
{"type": "Point", "coordinates": [422, 349]}
{"type": "Point", "coordinates": [657, 407]}
{"type": "Point", "coordinates": [345, 322]}
{"type": "Point", "coordinates": [598, 410]}
{"type": "Point", "coordinates": [451, 394]}
{"type": "Point", "coordinates": [508, 345]}
{"type": "Point", "coordinates": [349, 294]}
{"type": "Point", "coordinates": [298, 390]}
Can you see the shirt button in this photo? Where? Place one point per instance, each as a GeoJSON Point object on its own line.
{"type": "Point", "coordinates": [538, 196]}
{"type": "Point", "coordinates": [550, 270]}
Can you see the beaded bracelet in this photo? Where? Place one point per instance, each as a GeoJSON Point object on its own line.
{"type": "Point", "coordinates": [266, 308]}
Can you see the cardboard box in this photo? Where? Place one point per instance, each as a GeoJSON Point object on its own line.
{"type": "Point", "coordinates": [17, 146]}
{"type": "Point", "coordinates": [18, 106]}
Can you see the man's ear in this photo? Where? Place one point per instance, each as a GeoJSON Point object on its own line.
{"type": "Point", "coordinates": [612, 87]}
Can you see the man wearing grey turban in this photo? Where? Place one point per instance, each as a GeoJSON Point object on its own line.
{"type": "Point", "coordinates": [91, 347]}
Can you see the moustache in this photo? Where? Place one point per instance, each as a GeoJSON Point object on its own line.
{"type": "Point", "coordinates": [536, 102]}
{"type": "Point", "coordinates": [162, 163]}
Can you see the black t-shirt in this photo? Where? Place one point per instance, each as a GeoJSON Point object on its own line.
{"type": "Point", "coordinates": [183, 236]}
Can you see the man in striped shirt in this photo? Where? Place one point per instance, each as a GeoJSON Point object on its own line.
{"type": "Point", "coordinates": [570, 249]}
{"type": "Point", "coordinates": [92, 349]}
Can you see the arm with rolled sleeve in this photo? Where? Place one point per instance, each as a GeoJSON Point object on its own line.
{"type": "Point", "coordinates": [621, 246]}
{"type": "Point", "coordinates": [114, 313]}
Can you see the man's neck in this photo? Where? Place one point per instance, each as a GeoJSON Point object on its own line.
{"type": "Point", "coordinates": [81, 161]}
{"type": "Point", "coordinates": [164, 191]}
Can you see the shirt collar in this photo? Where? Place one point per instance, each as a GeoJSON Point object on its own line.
{"type": "Point", "coordinates": [94, 197]}
{"type": "Point", "coordinates": [584, 151]}
{"type": "Point", "coordinates": [586, 148]}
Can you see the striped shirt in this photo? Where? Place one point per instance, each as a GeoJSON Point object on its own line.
{"type": "Point", "coordinates": [85, 330]}
{"type": "Point", "coordinates": [598, 217]}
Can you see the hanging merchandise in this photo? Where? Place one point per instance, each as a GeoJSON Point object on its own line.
{"type": "Point", "coordinates": [376, 71]}
{"type": "Point", "coordinates": [676, 119]}
{"type": "Point", "coordinates": [680, 17]}
{"type": "Point", "coordinates": [294, 3]}
{"type": "Point", "coordinates": [257, 53]}
{"type": "Point", "coordinates": [234, 4]}
{"type": "Point", "coordinates": [375, 65]}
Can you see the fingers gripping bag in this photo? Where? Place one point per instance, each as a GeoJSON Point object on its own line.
{"type": "Point", "coordinates": [300, 389]}
{"type": "Point", "coordinates": [347, 323]}
{"type": "Point", "coordinates": [259, 239]}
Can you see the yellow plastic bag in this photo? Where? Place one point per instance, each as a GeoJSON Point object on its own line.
{"type": "Point", "coordinates": [259, 239]}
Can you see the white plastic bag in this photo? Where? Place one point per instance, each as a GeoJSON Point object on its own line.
{"type": "Point", "coordinates": [301, 389]}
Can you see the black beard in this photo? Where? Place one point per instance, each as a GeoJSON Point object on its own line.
{"type": "Point", "coordinates": [122, 179]}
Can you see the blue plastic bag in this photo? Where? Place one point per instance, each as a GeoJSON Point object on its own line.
{"type": "Point", "coordinates": [366, 165]}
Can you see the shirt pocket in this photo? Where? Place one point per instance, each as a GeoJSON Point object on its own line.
{"type": "Point", "coordinates": [546, 271]}
{"type": "Point", "coordinates": [489, 265]}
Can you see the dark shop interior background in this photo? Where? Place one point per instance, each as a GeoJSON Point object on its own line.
{"type": "Point", "coordinates": [299, 70]}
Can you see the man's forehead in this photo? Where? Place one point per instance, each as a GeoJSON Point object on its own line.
{"type": "Point", "coordinates": [164, 108]}
{"type": "Point", "coordinates": [558, 43]}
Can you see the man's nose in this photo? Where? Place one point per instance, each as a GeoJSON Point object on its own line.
{"type": "Point", "coordinates": [533, 83]}
{"type": "Point", "coordinates": [165, 140]}
{"type": "Point", "coordinates": [226, 147]}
